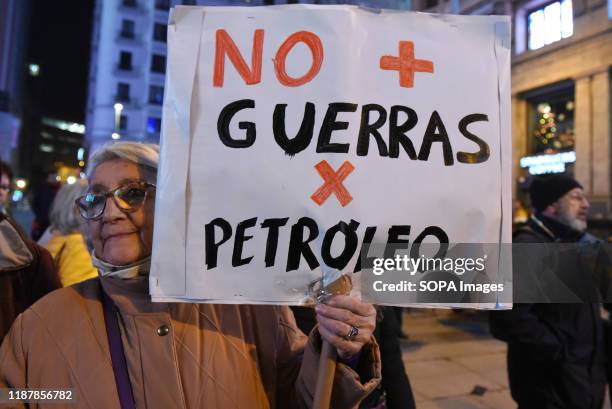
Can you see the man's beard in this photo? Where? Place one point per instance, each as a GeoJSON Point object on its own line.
{"type": "Point", "coordinates": [571, 221]}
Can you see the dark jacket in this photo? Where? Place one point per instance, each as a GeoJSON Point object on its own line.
{"type": "Point", "coordinates": [27, 273]}
{"type": "Point", "coordinates": [556, 355]}
{"type": "Point", "coordinates": [395, 382]}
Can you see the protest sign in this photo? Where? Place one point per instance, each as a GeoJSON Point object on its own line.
{"type": "Point", "coordinates": [295, 135]}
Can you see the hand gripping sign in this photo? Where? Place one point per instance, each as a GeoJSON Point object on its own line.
{"type": "Point", "coordinates": [294, 137]}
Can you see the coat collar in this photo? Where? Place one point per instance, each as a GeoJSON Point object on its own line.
{"type": "Point", "coordinates": [554, 229]}
{"type": "Point", "coordinates": [131, 296]}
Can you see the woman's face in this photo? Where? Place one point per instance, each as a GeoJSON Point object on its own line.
{"type": "Point", "coordinates": [121, 238]}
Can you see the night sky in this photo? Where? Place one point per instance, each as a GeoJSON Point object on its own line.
{"type": "Point", "coordinates": [60, 41]}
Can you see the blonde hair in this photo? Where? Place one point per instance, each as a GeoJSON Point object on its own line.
{"type": "Point", "coordinates": [145, 155]}
{"type": "Point", "coordinates": [63, 215]}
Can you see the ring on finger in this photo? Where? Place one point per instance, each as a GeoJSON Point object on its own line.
{"type": "Point", "coordinates": [353, 332]}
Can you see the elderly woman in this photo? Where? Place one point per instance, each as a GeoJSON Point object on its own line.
{"type": "Point", "coordinates": [106, 340]}
{"type": "Point", "coordinates": [66, 243]}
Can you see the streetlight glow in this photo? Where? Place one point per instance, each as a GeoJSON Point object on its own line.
{"type": "Point", "coordinates": [34, 70]}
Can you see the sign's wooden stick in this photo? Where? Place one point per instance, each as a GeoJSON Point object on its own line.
{"type": "Point", "coordinates": [325, 376]}
{"type": "Point", "coordinates": [327, 361]}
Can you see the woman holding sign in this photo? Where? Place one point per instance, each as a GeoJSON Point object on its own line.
{"type": "Point", "coordinates": [112, 347]}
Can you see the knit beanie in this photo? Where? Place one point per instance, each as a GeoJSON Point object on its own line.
{"type": "Point", "coordinates": [546, 190]}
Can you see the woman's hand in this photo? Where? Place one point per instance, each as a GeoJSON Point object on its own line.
{"type": "Point", "coordinates": [336, 321]}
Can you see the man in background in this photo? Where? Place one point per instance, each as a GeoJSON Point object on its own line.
{"type": "Point", "coordinates": [556, 353]}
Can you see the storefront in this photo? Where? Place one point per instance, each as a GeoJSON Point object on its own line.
{"type": "Point", "coordinates": [561, 99]}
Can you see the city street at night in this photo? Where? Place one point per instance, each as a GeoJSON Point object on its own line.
{"type": "Point", "coordinates": [230, 204]}
{"type": "Point", "coordinates": [453, 362]}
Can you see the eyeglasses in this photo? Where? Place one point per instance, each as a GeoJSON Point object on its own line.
{"type": "Point", "coordinates": [5, 187]}
{"type": "Point", "coordinates": [129, 198]}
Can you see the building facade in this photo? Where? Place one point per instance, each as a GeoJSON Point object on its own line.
{"type": "Point", "coordinates": [569, 81]}
{"type": "Point", "coordinates": [561, 113]}
{"type": "Point", "coordinates": [127, 70]}
{"type": "Point", "coordinates": [13, 14]}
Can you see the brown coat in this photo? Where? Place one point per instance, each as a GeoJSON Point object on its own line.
{"type": "Point", "coordinates": [27, 273]}
{"type": "Point", "coordinates": [215, 356]}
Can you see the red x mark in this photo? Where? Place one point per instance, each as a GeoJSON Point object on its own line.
{"type": "Point", "coordinates": [406, 64]}
{"type": "Point", "coordinates": [333, 183]}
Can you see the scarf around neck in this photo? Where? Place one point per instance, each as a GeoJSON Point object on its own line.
{"type": "Point", "coordinates": [139, 268]}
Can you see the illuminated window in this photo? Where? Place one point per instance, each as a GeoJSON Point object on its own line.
{"type": "Point", "coordinates": [551, 121]}
{"type": "Point", "coordinates": [549, 24]}
{"type": "Point", "coordinates": [153, 125]}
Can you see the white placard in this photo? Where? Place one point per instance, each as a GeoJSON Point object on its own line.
{"type": "Point", "coordinates": [281, 122]}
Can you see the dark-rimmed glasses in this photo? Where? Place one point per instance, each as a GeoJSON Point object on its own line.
{"type": "Point", "coordinates": [128, 197]}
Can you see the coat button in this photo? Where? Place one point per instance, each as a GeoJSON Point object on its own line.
{"type": "Point", "coordinates": [163, 331]}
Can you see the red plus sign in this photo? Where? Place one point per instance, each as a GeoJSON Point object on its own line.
{"type": "Point", "coordinates": [406, 64]}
